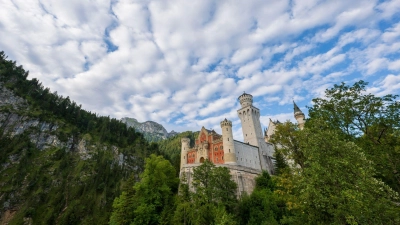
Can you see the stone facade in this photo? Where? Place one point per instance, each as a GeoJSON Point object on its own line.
{"type": "Point", "coordinates": [245, 160]}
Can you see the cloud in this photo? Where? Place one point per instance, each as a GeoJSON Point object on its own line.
{"type": "Point", "coordinates": [184, 63]}
{"type": "Point", "coordinates": [389, 85]}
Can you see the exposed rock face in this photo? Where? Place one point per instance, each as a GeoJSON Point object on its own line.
{"type": "Point", "coordinates": [13, 122]}
{"type": "Point", "coordinates": [16, 118]}
{"type": "Point", "coordinates": [152, 131]}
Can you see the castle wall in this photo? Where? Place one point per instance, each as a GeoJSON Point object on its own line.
{"type": "Point", "coordinates": [247, 155]}
{"type": "Point", "coordinates": [244, 177]}
{"type": "Point", "coordinates": [267, 157]}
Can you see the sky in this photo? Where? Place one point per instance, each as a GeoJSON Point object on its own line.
{"type": "Point", "coordinates": [184, 63]}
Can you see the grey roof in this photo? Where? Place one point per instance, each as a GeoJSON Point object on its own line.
{"type": "Point", "coordinates": [296, 108]}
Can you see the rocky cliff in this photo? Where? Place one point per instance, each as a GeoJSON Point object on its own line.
{"type": "Point", "coordinates": [152, 131]}
{"type": "Point", "coordinates": [59, 164]}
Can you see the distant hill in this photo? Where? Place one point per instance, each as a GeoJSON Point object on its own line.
{"type": "Point", "coordinates": [151, 131]}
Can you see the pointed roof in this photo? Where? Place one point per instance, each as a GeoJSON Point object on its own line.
{"type": "Point", "coordinates": [296, 108]}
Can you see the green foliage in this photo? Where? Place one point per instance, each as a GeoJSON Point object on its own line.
{"type": "Point", "coordinates": [371, 122]}
{"type": "Point", "coordinates": [349, 144]}
{"type": "Point", "coordinates": [263, 206]}
{"type": "Point", "coordinates": [287, 143]}
{"type": "Point", "coordinates": [54, 184]}
{"type": "Point", "coordinates": [171, 147]}
{"type": "Point", "coordinates": [338, 186]}
{"type": "Point", "coordinates": [280, 163]}
{"type": "Point", "coordinates": [213, 200]}
{"type": "Point", "coordinates": [213, 185]}
{"type": "Point", "coordinates": [150, 200]}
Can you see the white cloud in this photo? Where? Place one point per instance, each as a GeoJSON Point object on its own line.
{"type": "Point", "coordinates": [392, 33]}
{"type": "Point", "coordinates": [184, 63]}
{"type": "Point", "coordinates": [394, 65]}
{"type": "Point", "coordinates": [389, 85]}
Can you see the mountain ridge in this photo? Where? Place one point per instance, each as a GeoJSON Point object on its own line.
{"type": "Point", "coordinates": [152, 131]}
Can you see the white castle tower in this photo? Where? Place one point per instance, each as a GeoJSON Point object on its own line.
{"type": "Point", "coordinates": [184, 149]}
{"type": "Point", "coordinates": [252, 132]}
{"type": "Point", "coordinates": [228, 145]}
{"type": "Point", "coordinates": [250, 118]}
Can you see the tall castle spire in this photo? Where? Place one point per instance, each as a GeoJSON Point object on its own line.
{"type": "Point", "coordinates": [298, 115]}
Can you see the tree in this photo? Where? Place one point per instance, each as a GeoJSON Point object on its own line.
{"type": "Point", "coordinates": [151, 199]}
{"type": "Point", "coordinates": [280, 163]}
{"type": "Point", "coordinates": [287, 144]}
{"type": "Point", "coordinates": [371, 122]}
{"type": "Point", "coordinates": [262, 206]}
{"type": "Point", "coordinates": [336, 184]}
{"type": "Point", "coordinates": [213, 199]}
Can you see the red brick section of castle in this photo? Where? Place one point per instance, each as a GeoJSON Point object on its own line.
{"type": "Point", "coordinates": [211, 142]}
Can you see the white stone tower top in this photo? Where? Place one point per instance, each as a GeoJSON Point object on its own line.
{"type": "Point", "coordinates": [246, 99]}
{"type": "Point", "coordinates": [226, 122]}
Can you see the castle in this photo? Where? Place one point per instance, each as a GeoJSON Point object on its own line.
{"type": "Point", "coordinates": [245, 160]}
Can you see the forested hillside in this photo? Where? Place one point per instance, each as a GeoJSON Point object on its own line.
{"type": "Point", "coordinates": [59, 164]}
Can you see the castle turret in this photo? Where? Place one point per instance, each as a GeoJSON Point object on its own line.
{"type": "Point", "coordinates": [250, 118]}
{"type": "Point", "coordinates": [184, 149]}
{"type": "Point", "coordinates": [299, 116]}
{"type": "Point", "coordinates": [246, 100]}
{"type": "Point", "coordinates": [228, 146]}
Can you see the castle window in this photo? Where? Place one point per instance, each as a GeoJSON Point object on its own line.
{"type": "Point", "coordinates": [228, 139]}
{"type": "Point", "coordinates": [222, 158]}
{"type": "Point", "coordinates": [222, 147]}
{"type": "Point", "coordinates": [229, 150]}
{"type": "Point", "coordinates": [226, 129]}
{"type": "Point", "coordinates": [217, 159]}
